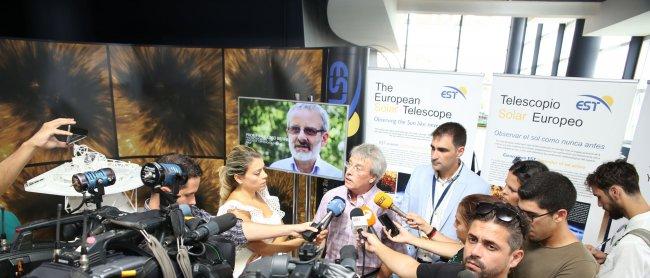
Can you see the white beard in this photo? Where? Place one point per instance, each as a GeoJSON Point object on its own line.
{"type": "Point", "coordinates": [312, 155]}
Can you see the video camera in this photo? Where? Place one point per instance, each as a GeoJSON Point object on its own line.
{"type": "Point", "coordinates": [307, 265]}
{"type": "Point", "coordinates": [107, 242]}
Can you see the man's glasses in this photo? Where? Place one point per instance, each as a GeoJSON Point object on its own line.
{"type": "Point", "coordinates": [504, 213]}
{"type": "Point", "coordinates": [532, 216]}
{"type": "Point", "coordinates": [308, 130]}
{"type": "Point", "coordinates": [356, 167]}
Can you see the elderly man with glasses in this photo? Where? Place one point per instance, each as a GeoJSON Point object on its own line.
{"type": "Point", "coordinates": [553, 250]}
{"type": "Point", "coordinates": [307, 127]}
{"type": "Point", "coordinates": [493, 246]}
{"type": "Point", "coordinates": [365, 168]}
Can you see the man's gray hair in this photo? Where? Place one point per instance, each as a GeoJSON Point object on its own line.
{"type": "Point", "coordinates": [311, 107]}
{"type": "Point", "coordinates": [374, 155]}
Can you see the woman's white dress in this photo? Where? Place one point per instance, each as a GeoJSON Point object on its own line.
{"type": "Point", "coordinates": [243, 254]}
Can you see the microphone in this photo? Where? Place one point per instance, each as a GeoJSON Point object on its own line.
{"type": "Point", "coordinates": [385, 201]}
{"type": "Point", "coordinates": [371, 218]}
{"type": "Point", "coordinates": [215, 226]}
{"type": "Point", "coordinates": [334, 209]}
{"type": "Point", "coordinates": [348, 256]}
{"type": "Point", "coordinates": [466, 274]}
{"type": "Point", "coordinates": [358, 219]}
{"type": "Point", "coordinates": [446, 270]}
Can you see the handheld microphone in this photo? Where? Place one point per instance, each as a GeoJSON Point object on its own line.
{"type": "Point", "coordinates": [348, 256]}
{"type": "Point", "coordinates": [358, 219]}
{"type": "Point", "coordinates": [385, 201]}
{"type": "Point", "coordinates": [215, 226]}
{"type": "Point", "coordinates": [334, 209]}
{"type": "Point", "coordinates": [371, 218]}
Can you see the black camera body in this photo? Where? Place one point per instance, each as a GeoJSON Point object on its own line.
{"type": "Point", "coordinates": [308, 265]}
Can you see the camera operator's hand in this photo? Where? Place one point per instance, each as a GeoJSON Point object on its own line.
{"type": "Point", "coordinates": [45, 139]}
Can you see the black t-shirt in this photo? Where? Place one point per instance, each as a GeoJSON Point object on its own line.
{"type": "Point", "coordinates": [439, 270]}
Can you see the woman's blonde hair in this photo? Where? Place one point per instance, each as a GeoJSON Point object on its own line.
{"type": "Point", "coordinates": [237, 162]}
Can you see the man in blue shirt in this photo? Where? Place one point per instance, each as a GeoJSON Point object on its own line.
{"type": "Point", "coordinates": [434, 191]}
{"type": "Point", "coordinates": [307, 126]}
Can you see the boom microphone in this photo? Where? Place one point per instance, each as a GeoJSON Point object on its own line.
{"type": "Point", "coordinates": [215, 226]}
{"type": "Point", "coordinates": [334, 209]}
{"type": "Point", "coordinates": [385, 201]}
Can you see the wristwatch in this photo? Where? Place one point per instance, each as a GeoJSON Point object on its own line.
{"type": "Point", "coordinates": [432, 233]}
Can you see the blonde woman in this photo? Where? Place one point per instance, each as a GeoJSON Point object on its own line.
{"type": "Point", "coordinates": [244, 192]}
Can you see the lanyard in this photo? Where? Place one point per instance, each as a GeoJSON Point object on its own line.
{"type": "Point", "coordinates": [435, 205]}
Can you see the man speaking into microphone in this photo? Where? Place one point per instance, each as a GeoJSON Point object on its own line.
{"type": "Point", "coordinates": [363, 171]}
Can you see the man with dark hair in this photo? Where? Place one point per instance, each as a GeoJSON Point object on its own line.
{"type": "Point", "coordinates": [242, 232]}
{"type": "Point", "coordinates": [518, 174]}
{"type": "Point", "coordinates": [553, 250]}
{"type": "Point", "coordinates": [616, 185]}
{"type": "Point", "coordinates": [434, 190]}
{"type": "Point", "coordinates": [187, 192]}
{"type": "Point", "coordinates": [494, 245]}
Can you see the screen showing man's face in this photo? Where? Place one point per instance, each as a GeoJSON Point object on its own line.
{"type": "Point", "coordinates": [306, 135]}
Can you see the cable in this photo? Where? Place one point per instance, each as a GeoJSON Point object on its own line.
{"type": "Point", "coordinates": [363, 260]}
{"type": "Point", "coordinates": [215, 250]}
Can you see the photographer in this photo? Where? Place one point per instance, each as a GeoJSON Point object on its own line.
{"type": "Point", "coordinates": [43, 139]}
{"type": "Point", "coordinates": [241, 233]}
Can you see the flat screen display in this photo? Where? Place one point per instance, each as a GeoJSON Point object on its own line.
{"type": "Point", "coordinates": [298, 137]}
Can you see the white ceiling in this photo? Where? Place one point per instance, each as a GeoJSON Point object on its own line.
{"type": "Point", "coordinates": [371, 22]}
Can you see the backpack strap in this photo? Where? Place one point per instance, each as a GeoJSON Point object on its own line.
{"type": "Point", "coordinates": [642, 233]}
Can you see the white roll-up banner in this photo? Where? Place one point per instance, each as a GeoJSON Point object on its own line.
{"type": "Point", "coordinates": [640, 149]}
{"type": "Point", "coordinates": [404, 107]}
{"type": "Point", "coordinates": [572, 125]}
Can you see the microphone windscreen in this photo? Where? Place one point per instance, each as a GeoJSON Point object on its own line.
{"type": "Point", "coordinates": [370, 216]}
{"type": "Point", "coordinates": [225, 222]}
{"type": "Point", "coordinates": [357, 219]}
{"type": "Point", "coordinates": [466, 274]}
{"type": "Point", "coordinates": [336, 206]}
{"type": "Point", "coordinates": [383, 200]}
{"type": "Point", "coordinates": [356, 212]}
{"type": "Point", "coordinates": [348, 256]}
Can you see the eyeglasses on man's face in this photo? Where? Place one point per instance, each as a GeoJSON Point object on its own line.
{"type": "Point", "coordinates": [307, 130]}
{"type": "Point", "coordinates": [532, 216]}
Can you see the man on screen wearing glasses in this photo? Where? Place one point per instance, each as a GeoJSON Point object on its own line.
{"type": "Point", "coordinates": [552, 250]}
{"type": "Point", "coordinates": [307, 127]}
